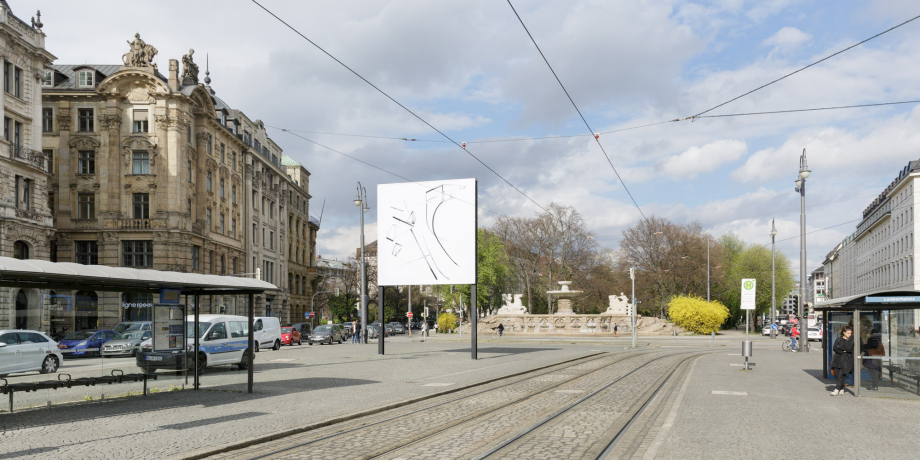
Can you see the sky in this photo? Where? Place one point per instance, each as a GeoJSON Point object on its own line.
{"type": "Point", "coordinates": [469, 69]}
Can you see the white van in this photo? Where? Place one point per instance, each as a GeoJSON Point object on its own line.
{"type": "Point", "coordinates": [222, 340]}
{"type": "Point", "coordinates": [267, 332]}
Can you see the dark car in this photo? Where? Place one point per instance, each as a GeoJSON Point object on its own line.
{"type": "Point", "coordinates": [327, 333]}
{"type": "Point", "coordinates": [85, 343]}
{"type": "Point", "coordinates": [290, 336]}
{"type": "Point", "coordinates": [397, 328]}
{"type": "Point", "coordinates": [302, 328]}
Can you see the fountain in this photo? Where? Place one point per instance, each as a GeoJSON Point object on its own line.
{"type": "Point", "coordinates": [565, 298]}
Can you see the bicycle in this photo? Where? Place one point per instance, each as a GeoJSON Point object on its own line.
{"type": "Point", "coordinates": [787, 345]}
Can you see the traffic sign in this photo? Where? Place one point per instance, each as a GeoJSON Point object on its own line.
{"type": "Point", "coordinates": [309, 314]}
{"type": "Point", "coordinates": [410, 314]}
{"type": "Point", "coordinates": [748, 294]}
{"type": "Point", "coordinates": [306, 314]}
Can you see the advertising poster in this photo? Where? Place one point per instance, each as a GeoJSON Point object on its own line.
{"type": "Point", "coordinates": [168, 328]}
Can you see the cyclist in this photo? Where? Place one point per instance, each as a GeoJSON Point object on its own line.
{"type": "Point", "coordinates": [501, 329]}
{"type": "Point", "coordinates": [794, 334]}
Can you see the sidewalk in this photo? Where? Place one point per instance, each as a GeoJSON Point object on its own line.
{"type": "Point", "coordinates": [782, 409]}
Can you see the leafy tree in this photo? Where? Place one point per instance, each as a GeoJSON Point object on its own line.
{"type": "Point", "coordinates": [696, 314]}
{"type": "Point", "coordinates": [447, 322]}
{"type": "Point", "coordinates": [754, 261]}
{"type": "Point", "coordinates": [342, 307]}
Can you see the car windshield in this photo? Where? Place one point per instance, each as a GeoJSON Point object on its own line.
{"type": "Point", "coordinates": [286, 330]}
{"type": "Point", "coordinates": [130, 335]}
{"type": "Point", "coordinates": [326, 328]}
{"type": "Point", "coordinates": [190, 329]}
{"type": "Point", "coordinates": [80, 335]}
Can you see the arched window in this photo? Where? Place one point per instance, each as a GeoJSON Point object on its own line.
{"type": "Point", "coordinates": [223, 264]}
{"type": "Point", "coordinates": [21, 250]}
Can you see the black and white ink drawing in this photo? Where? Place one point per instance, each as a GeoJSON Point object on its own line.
{"type": "Point", "coordinates": [426, 233]}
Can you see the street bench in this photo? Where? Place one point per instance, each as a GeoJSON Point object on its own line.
{"type": "Point", "coordinates": [66, 381]}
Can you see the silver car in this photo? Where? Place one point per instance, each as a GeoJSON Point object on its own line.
{"type": "Point", "coordinates": [125, 344]}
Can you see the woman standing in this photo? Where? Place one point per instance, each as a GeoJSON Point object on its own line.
{"type": "Point", "coordinates": [842, 364]}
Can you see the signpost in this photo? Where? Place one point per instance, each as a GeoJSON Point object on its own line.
{"type": "Point", "coordinates": [748, 303]}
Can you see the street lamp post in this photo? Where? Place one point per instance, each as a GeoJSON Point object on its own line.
{"type": "Point", "coordinates": [361, 203]}
{"type": "Point", "coordinates": [773, 284]}
{"type": "Point", "coordinates": [707, 270]}
{"type": "Point", "coordinates": [800, 187]}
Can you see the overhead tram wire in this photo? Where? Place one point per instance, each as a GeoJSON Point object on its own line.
{"type": "Point", "coordinates": [369, 164]}
{"type": "Point", "coordinates": [803, 68]}
{"type": "Point", "coordinates": [399, 104]}
{"type": "Point", "coordinates": [808, 110]}
{"type": "Point", "coordinates": [591, 131]}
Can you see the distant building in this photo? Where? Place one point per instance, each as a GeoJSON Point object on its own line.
{"type": "Point", "coordinates": [817, 289]}
{"type": "Point", "coordinates": [301, 239]}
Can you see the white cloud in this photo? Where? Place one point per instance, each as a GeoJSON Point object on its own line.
{"type": "Point", "coordinates": [695, 160]}
{"type": "Point", "coordinates": [787, 38]}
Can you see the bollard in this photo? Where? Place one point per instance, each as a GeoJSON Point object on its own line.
{"type": "Point", "coordinates": [713, 336]}
{"type": "Point", "coordinates": [747, 350]}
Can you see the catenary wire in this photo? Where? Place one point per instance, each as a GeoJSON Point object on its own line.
{"type": "Point", "coordinates": [806, 67]}
{"type": "Point", "coordinates": [591, 131]}
{"type": "Point", "coordinates": [808, 110]}
{"type": "Point", "coordinates": [371, 165]}
{"type": "Point", "coordinates": [398, 103]}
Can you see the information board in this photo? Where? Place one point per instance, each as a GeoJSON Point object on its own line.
{"type": "Point", "coordinates": [748, 294]}
{"type": "Point", "coordinates": [168, 327]}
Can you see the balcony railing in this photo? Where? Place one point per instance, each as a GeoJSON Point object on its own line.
{"type": "Point", "coordinates": [35, 157]}
{"type": "Point", "coordinates": [141, 224]}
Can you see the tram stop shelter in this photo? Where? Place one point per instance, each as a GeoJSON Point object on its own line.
{"type": "Point", "coordinates": [47, 280]}
{"type": "Point", "coordinates": [893, 318]}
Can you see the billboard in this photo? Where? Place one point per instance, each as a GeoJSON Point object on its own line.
{"type": "Point", "coordinates": [426, 233]}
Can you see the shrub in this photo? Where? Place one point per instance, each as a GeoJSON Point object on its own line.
{"type": "Point", "coordinates": [696, 314]}
{"type": "Point", "coordinates": [447, 321]}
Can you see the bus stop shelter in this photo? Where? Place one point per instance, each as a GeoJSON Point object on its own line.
{"type": "Point", "coordinates": [44, 275]}
{"type": "Point", "coordinates": [892, 317]}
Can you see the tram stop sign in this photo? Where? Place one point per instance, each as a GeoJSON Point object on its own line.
{"type": "Point", "coordinates": [748, 294]}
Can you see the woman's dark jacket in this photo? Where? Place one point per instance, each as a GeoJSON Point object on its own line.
{"type": "Point", "coordinates": [843, 355]}
{"type": "Point", "coordinates": [872, 343]}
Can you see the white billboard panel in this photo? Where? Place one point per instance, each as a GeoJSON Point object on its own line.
{"type": "Point", "coordinates": [426, 233]}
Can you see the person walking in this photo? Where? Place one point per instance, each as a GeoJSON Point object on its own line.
{"type": "Point", "coordinates": [794, 334]}
{"type": "Point", "coordinates": [425, 329]}
{"type": "Point", "coordinates": [615, 330]}
{"type": "Point", "coordinates": [842, 364]}
{"type": "Point", "coordinates": [355, 327]}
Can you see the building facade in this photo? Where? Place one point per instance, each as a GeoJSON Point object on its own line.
{"type": "Point", "coordinates": [301, 239]}
{"type": "Point", "coordinates": [26, 222]}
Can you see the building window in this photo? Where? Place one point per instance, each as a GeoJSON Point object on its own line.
{"type": "Point", "coordinates": [233, 264]}
{"type": "Point", "coordinates": [189, 207]}
{"type": "Point", "coordinates": [271, 211]}
{"type": "Point", "coordinates": [140, 121]}
{"type": "Point", "coordinates": [17, 82]}
{"type": "Point", "coordinates": [208, 218]}
{"type": "Point", "coordinates": [233, 159]}
{"type": "Point", "coordinates": [254, 196]}
{"type": "Point", "coordinates": [209, 181]}
{"type": "Point", "coordinates": [86, 206]}
{"type": "Point", "coordinates": [23, 193]}
{"type": "Point", "coordinates": [49, 154]}
{"type": "Point", "coordinates": [48, 79]}
{"type": "Point", "coordinates": [254, 231]}
{"type": "Point", "coordinates": [263, 205]}
{"type": "Point", "coordinates": [211, 260]}
{"type": "Point", "coordinates": [137, 253]}
{"type": "Point", "coordinates": [47, 120]}
{"type": "Point", "coordinates": [85, 120]}
{"type": "Point", "coordinates": [196, 257]}
{"type": "Point", "coordinates": [188, 133]}
{"type": "Point", "coordinates": [222, 232]}
{"type": "Point", "coordinates": [189, 170]}
{"type": "Point", "coordinates": [221, 185]}
{"type": "Point", "coordinates": [86, 252]}
{"type": "Point", "coordinates": [233, 193]}
{"type": "Point", "coordinates": [223, 156]}
{"type": "Point", "coordinates": [86, 162]}
{"type": "Point", "coordinates": [141, 205]}
{"type": "Point", "coordinates": [223, 118]}
{"type": "Point", "coordinates": [271, 240]}
{"type": "Point", "coordinates": [85, 78]}
{"type": "Point", "coordinates": [258, 147]}
{"type": "Point", "coordinates": [223, 264]}
{"type": "Point", "coordinates": [233, 228]}
{"type": "Point", "coordinates": [208, 144]}
{"type": "Point", "coordinates": [7, 68]}
{"type": "Point", "coordinates": [141, 162]}
{"type": "Point", "coordinates": [263, 237]}
{"type": "Point", "coordinates": [17, 133]}
{"type": "Point", "coordinates": [6, 128]}
{"type": "Point", "coordinates": [20, 250]}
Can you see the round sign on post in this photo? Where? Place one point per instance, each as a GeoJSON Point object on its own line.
{"type": "Point", "coordinates": [410, 314]}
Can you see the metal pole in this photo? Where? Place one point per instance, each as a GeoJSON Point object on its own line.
{"type": "Point", "coordinates": [195, 349]}
{"type": "Point", "coordinates": [747, 338]}
{"type": "Point", "coordinates": [857, 362]}
{"type": "Point", "coordinates": [632, 274]}
{"type": "Point", "coordinates": [474, 317]}
{"type": "Point", "coordinates": [409, 315]}
{"type": "Point", "coordinates": [474, 305]}
{"type": "Point", "coordinates": [707, 270]}
{"type": "Point", "coordinates": [803, 330]}
{"type": "Point", "coordinates": [773, 284]}
{"type": "Point", "coordinates": [381, 290]}
{"type": "Point", "coordinates": [364, 276]}
{"type": "Point", "coordinates": [185, 334]}
{"type": "Point", "coordinates": [251, 339]}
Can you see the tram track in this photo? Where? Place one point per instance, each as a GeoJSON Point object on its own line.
{"type": "Point", "coordinates": [279, 452]}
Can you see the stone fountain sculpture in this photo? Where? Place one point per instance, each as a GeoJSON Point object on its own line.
{"type": "Point", "coordinates": [512, 308]}
{"type": "Point", "coordinates": [564, 306]}
{"type": "Point", "coordinates": [619, 305]}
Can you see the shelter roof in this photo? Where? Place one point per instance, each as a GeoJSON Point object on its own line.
{"type": "Point", "coordinates": [15, 272]}
{"type": "Point", "coordinates": [879, 300]}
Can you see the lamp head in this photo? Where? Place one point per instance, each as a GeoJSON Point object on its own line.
{"type": "Point", "coordinates": [357, 202]}
{"type": "Point", "coordinates": [798, 183]}
{"type": "Point", "coordinates": [804, 174]}
{"type": "Point", "coordinates": [773, 232]}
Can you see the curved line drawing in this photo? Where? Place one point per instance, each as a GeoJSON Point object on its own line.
{"type": "Point", "coordinates": [435, 233]}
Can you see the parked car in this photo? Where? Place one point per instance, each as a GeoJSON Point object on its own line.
{"type": "Point", "coordinates": [267, 332]}
{"type": "Point", "coordinates": [345, 330]}
{"type": "Point", "coordinates": [391, 331]}
{"type": "Point", "coordinates": [23, 351]}
{"type": "Point", "coordinates": [223, 340]}
{"type": "Point", "coordinates": [815, 333]}
{"type": "Point", "coordinates": [388, 331]}
{"type": "Point", "coordinates": [130, 326]}
{"type": "Point", "coordinates": [125, 344]}
{"type": "Point", "coordinates": [373, 330]}
{"type": "Point", "coordinates": [327, 333]}
{"type": "Point", "coordinates": [290, 336]}
{"type": "Point", "coordinates": [85, 342]}
{"type": "Point", "coordinates": [302, 328]}
{"type": "Point", "coordinates": [397, 328]}
{"type": "Point", "coordinates": [349, 329]}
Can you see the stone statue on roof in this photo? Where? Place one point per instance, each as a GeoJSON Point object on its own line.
{"type": "Point", "coordinates": [141, 53]}
{"type": "Point", "coordinates": [189, 69]}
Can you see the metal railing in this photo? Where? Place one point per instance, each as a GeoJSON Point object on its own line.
{"type": "Point", "coordinates": [35, 157]}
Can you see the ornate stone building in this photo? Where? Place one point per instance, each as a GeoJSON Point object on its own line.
{"type": "Point", "coordinates": [26, 229]}
{"type": "Point", "coordinates": [301, 239]}
{"type": "Point", "coordinates": [156, 171]}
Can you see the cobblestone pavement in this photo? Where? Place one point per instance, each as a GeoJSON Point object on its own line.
{"type": "Point", "coordinates": [294, 387]}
